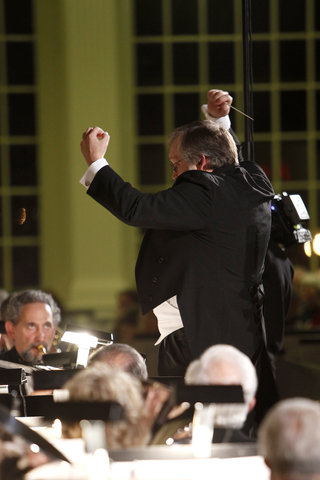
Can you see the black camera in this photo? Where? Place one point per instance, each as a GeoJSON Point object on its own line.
{"type": "Point", "coordinates": [288, 211]}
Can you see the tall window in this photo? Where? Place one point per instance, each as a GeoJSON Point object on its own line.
{"type": "Point", "coordinates": [185, 47]}
{"type": "Point", "coordinates": [19, 192]}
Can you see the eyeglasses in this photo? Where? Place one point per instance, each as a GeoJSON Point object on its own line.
{"type": "Point", "coordinates": [173, 165]}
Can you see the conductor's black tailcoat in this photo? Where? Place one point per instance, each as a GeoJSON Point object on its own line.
{"type": "Point", "coordinates": [205, 242]}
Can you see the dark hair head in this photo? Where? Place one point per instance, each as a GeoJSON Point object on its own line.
{"type": "Point", "coordinates": [11, 307]}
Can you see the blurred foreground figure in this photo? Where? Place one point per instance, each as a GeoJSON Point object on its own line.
{"type": "Point", "coordinates": [121, 357]}
{"type": "Point", "coordinates": [16, 456]}
{"type": "Point", "coordinates": [225, 365]}
{"type": "Point", "coordinates": [289, 440]}
{"type": "Point", "coordinates": [100, 382]}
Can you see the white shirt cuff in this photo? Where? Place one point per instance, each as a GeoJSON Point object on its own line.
{"type": "Point", "coordinates": [222, 121]}
{"type": "Point", "coordinates": [92, 171]}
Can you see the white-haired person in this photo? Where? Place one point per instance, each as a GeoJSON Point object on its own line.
{"type": "Point", "coordinates": [226, 365]}
{"type": "Point", "coordinates": [289, 440]}
{"type": "Point", "coordinates": [220, 365]}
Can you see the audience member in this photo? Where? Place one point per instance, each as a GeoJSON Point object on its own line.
{"type": "Point", "coordinates": [218, 365]}
{"type": "Point", "coordinates": [128, 316]}
{"type": "Point", "coordinates": [122, 357]}
{"type": "Point", "coordinates": [289, 440]}
{"type": "Point", "coordinates": [31, 318]}
{"type": "Point", "coordinates": [99, 382]}
{"type": "Point", "coordinates": [130, 323]}
{"type": "Point", "coordinates": [226, 365]}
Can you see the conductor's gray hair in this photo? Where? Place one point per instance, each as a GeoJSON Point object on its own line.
{"type": "Point", "coordinates": [289, 439]}
{"type": "Point", "coordinates": [226, 365]}
{"type": "Point", "coordinates": [205, 137]}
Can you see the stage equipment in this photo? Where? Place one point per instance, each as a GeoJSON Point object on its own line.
{"type": "Point", "coordinates": [288, 211]}
{"type": "Point", "coordinates": [86, 339]}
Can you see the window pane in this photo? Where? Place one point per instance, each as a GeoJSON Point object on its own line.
{"type": "Point", "coordinates": [260, 16]}
{"type": "Point", "coordinates": [25, 267]}
{"type": "Point", "coordinates": [318, 163]}
{"type": "Point", "coordinates": [186, 108]}
{"type": "Point", "coordinates": [2, 96]}
{"type": "Point", "coordinates": [262, 151]}
{"type": "Point", "coordinates": [292, 15]}
{"type": "Point", "coordinates": [317, 15]}
{"type": "Point", "coordinates": [294, 160]}
{"type": "Point", "coordinates": [18, 16]}
{"type": "Point", "coordinates": [22, 119]}
{"type": "Point", "coordinates": [220, 17]}
{"type": "Point", "coordinates": [1, 218]}
{"type": "Point", "coordinates": [185, 63]}
{"type": "Point", "coordinates": [24, 215]}
{"type": "Point", "coordinates": [318, 108]}
{"type": "Point", "coordinates": [261, 61]}
{"type": "Point", "coordinates": [149, 64]}
{"type": "Point", "coordinates": [20, 69]}
{"type": "Point", "coordinates": [148, 17]}
{"type": "Point", "coordinates": [261, 108]}
{"type": "Point", "coordinates": [151, 164]}
{"type": "Point", "coordinates": [151, 114]}
{"type": "Point", "coordinates": [293, 110]}
{"type": "Point", "coordinates": [317, 60]}
{"type": "Point", "coordinates": [220, 70]}
{"type": "Point", "coordinates": [23, 165]}
{"type": "Point", "coordinates": [1, 268]}
{"type": "Point", "coordinates": [292, 60]}
{"type": "Point", "coordinates": [184, 17]}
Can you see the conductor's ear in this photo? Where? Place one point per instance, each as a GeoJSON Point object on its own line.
{"type": "Point", "coordinates": [202, 163]}
{"type": "Point", "coordinates": [10, 329]}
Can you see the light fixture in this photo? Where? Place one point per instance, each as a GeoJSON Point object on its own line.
{"type": "Point", "coordinates": [85, 338]}
{"type": "Point", "coordinates": [307, 249]}
{"type": "Point", "coordinates": [316, 244]}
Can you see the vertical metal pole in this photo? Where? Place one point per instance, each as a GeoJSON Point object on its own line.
{"type": "Point", "coordinates": [247, 79]}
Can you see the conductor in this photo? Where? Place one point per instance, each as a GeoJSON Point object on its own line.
{"type": "Point", "coordinates": [201, 260]}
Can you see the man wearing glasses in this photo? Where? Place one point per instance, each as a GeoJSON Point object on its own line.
{"type": "Point", "coordinates": [201, 261]}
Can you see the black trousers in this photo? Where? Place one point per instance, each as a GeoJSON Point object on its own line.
{"type": "Point", "coordinates": [174, 355]}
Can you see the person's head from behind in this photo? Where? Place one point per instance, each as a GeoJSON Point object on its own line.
{"type": "Point", "coordinates": [127, 299]}
{"type": "Point", "coordinates": [201, 145]}
{"type": "Point", "coordinates": [289, 440]}
{"type": "Point", "coordinates": [31, 318]}
{"type": "Point", "coordinates": [226, 365]}
{"type": "Point", "coordinates": [101, 383]}
{"type": "Point", "coordinates": [121, 357]}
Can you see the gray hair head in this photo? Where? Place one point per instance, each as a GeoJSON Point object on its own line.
{"type": "Point", "coordinates": [205, 137]}
{"type": "Point", "coordinates": [226, 365]}
{"type": "Point", "coordinates": [11, 307]}
{"type": "Point", "coordinates": [289, 439]}
{"type": "Point", "coordinates": [122, 357]}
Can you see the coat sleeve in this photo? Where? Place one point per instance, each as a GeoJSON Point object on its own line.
{"type": "Point", "coordinates": [185, 206]}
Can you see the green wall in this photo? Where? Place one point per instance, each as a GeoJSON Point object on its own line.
{"type": "Point", "coordinates": [84, 79]}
